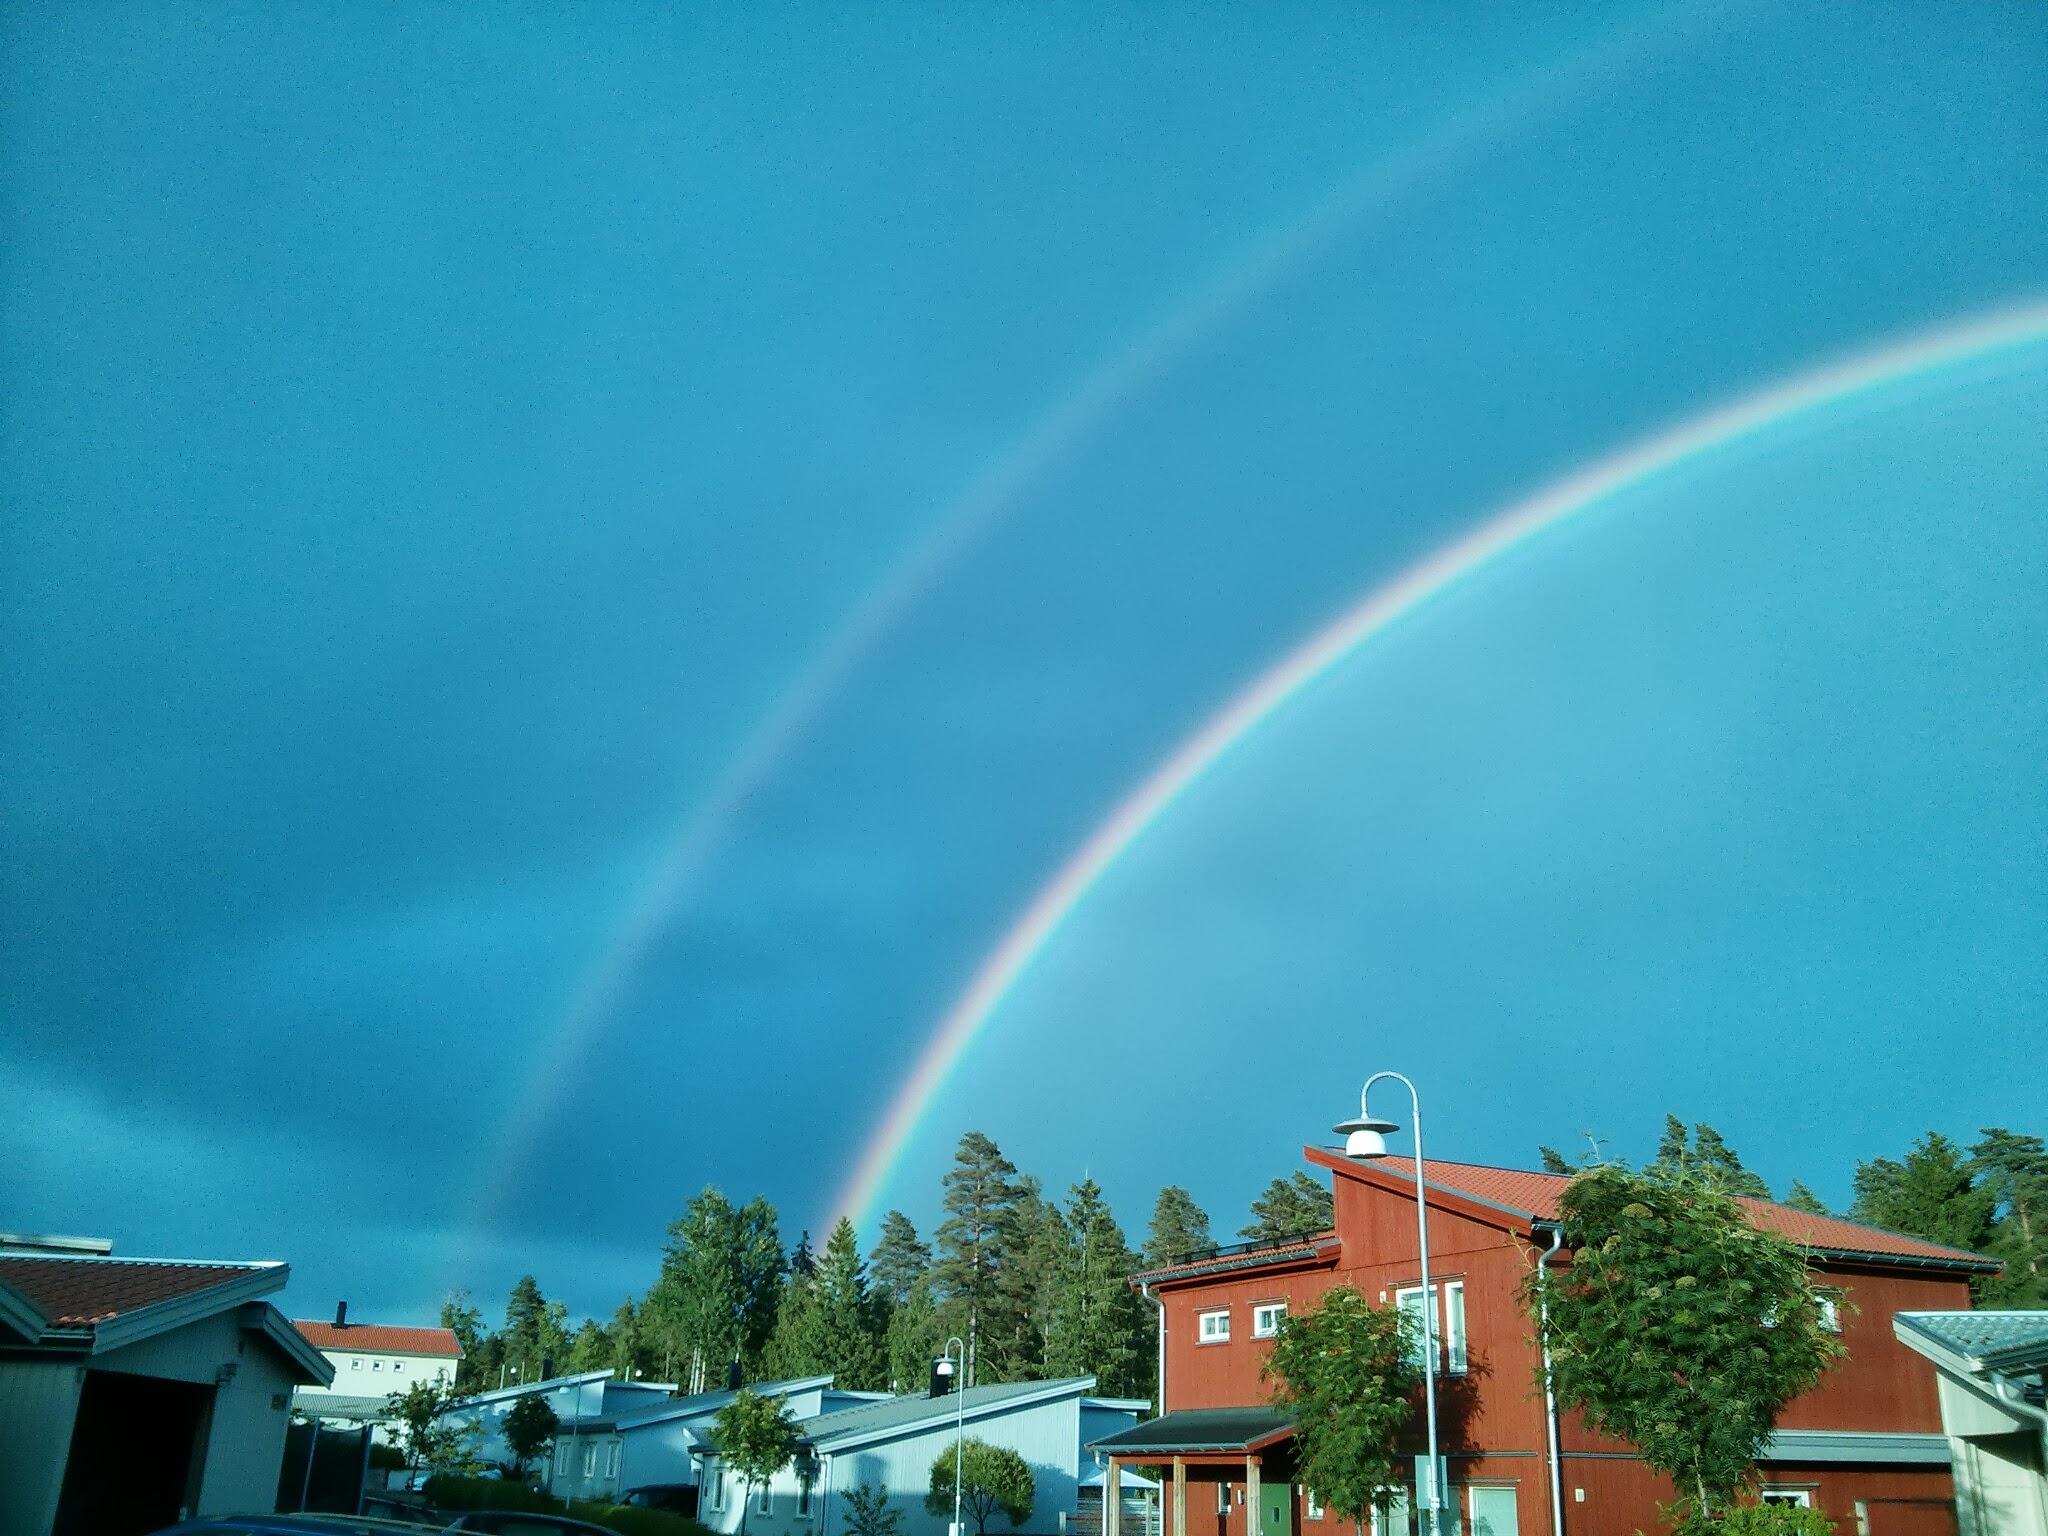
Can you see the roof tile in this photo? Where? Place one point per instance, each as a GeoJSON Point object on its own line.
{"type": "Point", "coordinates": [80, 1293]}
{"type": "Point", "coordinates": [380, 1339]}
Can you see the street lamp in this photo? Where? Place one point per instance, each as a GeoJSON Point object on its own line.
{"type": "Point", "coordinates": [947, 1366]}
{"type": "Point", "coordinates": [1366, 1140]}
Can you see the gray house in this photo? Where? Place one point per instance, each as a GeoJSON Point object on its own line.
{"type": "Point", "coordinates": [137, 1391]}
{"type": "Point", "coordinates": [1990, 1366]}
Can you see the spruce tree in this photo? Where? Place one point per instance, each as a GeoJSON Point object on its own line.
{"type": "Point", "coordinates": [1554, 1161]}
{"type": "Point", "coordinates": [1929, 1194]}
{"type": "Point", "coordinates": [592, 1348]}
{"type": "Point", "coordinates": [1707, 1156]}
{"type": "Point", "coordinates": [899, 1260]}
{"type": "Point", "coordinates": [797, 1346]}
{"type": "Point", "coordinates": [1800, 1198]}
{"type": "Point", "coordinates": [914, 1338]}
{"type": "Point", "coordinates": [1096, 1325]}
{"type": "Point", "coordinates": [1179, 1228]}
{"type": "Point", "coordinates": [849, 1319]}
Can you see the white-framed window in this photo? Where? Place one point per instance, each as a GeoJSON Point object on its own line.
{"type": "Point", "coordinates": [611, 1460]}
{"type": "Point", "coordinates": [1214, 1327]}
{"type": "Point", "coordinates": [764, 1500]}
{"type": "Point", "coordinates": [1798, 1498]}
{"type": "Point", "coordinates": [1266, 1317]}
{"type": "Point", "coordinates": [803, 1497]}
{"type": "Point", "coordinates": [1313, 1504]}
{"type": "Point", "coordinates": [398, 1365]}
{"type": "Point", "coordinates": [1450, 1323]}
{"type": "Point", "coordinates": [355, 1365]}
{"type": "Point", "coordinates": [1394, 1521]}
{"type": "Point", "coordinates": [563, 1451]}
{"type": "Point", "coordinates": [1493, 1512]}
{"type": "Point", "coordinates": [590, 1458]}
{"type": "Point", "coordinates": [1223, 1498]}
{"type": "Point", "coordinates": [376, 1365]}
{"type": "Point", "coordinates": [714, 1487]}
{"type": "Point", "coordinates": [1830, 1312]}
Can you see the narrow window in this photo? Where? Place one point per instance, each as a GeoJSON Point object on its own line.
{"type": "Point", "coordinates": [1830, 1313]}
{"type": "Point", "coordinates": [1394, 1521]}
{"type": "Point", "coordinates": [1223, 1498]}
{"type": "Point", "coordinates": [1215, 1328]}
{"type": "Point", "coordinates": [1266, 1317]}
{"type": "Point", "coordinates": [764, 1501]}
{"type": "Point", "coordinates": [1449, 1325]}
{"type": "Point", "coordinates": [1315, 1505]}
{"type": "Point", "coordinates": [1454, 1327]}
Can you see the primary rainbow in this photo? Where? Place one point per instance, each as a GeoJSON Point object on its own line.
{"type": "Point", "coordinates": [1971, 339]}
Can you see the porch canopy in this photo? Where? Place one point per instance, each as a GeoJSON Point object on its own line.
{"type": "Point", "coordinates": [1199, 1434]}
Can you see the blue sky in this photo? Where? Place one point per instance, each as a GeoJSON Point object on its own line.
{"type": "Point", "coordinates": [434, 445]}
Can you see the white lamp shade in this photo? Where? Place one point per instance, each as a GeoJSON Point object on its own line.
{"type": "Point", "coordinates": [1366, 1144]}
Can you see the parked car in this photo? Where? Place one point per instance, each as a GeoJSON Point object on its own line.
{"type": "Point", "coordinates": [678, 1498]}
{"type": "Point", "coordinates": [291, 1525]}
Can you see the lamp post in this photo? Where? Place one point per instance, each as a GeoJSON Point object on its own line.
{"type": "Point", "coordinates": [1366, 1140]}
{"type": "Point", "coordinates": [946, 1366]}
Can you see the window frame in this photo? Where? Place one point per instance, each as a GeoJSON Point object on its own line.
{"type": "Point", "coordinates": [1454, 1357]}
{"type": "Point", "coordinates": [1797, 1498]}
{"type": "Point", "coordinates": [1311, 1507]}
{"type": "Point", "coordinates": [1262, 1330]}
{"type": "Point", "coordinates": [1203, 1334]}
{"type": "Point", "coordinates": [764, 1498]}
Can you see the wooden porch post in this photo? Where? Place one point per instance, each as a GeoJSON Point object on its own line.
{"type": "Point", "coordinates": [1254, 1515]}
{"type": "Point", "coordinates": [1112, 1501]}
{"type": "Point", "coordinates": [1180, 1496]}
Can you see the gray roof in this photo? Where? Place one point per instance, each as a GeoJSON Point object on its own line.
{"type": "Point", "coordinates": [1985, 1341]}
{"type": "Point", "coordinates": [897, 1416]}
{"type": "Point", "coordinates": [334, 1405]}
{"type": "Point", "coordinates": [1199, 1429]}
{"type": "Point", "coordinates": [702, 1403]}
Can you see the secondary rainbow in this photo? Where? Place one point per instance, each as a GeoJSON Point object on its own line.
{"type": "Point", "coordinates": [1972, 339]}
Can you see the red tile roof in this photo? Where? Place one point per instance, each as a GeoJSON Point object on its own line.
{"type": "Point", "coordinates": [78, 1293]}
{"type": "Point", "coordinates": [377, 1339]}
{"type": "Point", "coordinates": [1537, 1194]}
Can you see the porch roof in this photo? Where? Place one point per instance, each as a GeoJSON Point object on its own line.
{"type": "Point", "coordinates": [1195, 1430]}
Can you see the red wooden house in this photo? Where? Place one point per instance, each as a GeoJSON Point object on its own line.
{"type": "Point", "coordinates": [1866, 1445]}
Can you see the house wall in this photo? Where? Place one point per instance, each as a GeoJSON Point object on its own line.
{"type": "Point", "coordinates": [251, 1405]}
{"type": "Point", "coordinates": [38, 1403]}
{"type": "Point", "coordinates": [378, 1373]}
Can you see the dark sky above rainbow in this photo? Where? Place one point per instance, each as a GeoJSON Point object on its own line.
{"type": "Point", "coordinates": [598, 602]}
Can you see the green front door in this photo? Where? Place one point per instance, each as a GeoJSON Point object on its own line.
{"type": "Point", "coordinates": [1276, 1509]}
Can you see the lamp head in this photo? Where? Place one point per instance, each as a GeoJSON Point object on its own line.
{"type": "Point", "coordinates": [1366, 1137]}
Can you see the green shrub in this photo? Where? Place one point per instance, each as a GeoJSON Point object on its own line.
{"type": "Point", "coordinates": [1774, 1520]}
{"type": "Point", "coordinates": [388, 1457]}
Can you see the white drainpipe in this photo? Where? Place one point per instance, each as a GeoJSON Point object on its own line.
{"type": "Point", "coordinates": [1145, 1290]}
{"type": "Point", "coordinates": [1550, 1398]}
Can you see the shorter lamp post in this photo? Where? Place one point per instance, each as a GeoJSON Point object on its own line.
{"type": "Point", "coordinates": [948, 1368]}
{"type": "Point", "coordinates": [1365, 1139]}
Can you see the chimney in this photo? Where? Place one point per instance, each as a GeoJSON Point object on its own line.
{"type": "Point", "coordinates": [341, 1314]}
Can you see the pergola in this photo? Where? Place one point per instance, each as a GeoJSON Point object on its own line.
{"type": "Point", "coordinates": [1232, 1438]}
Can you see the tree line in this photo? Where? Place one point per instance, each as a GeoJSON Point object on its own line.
{"type": "Point", "coordinates": [1037, 1287]}
{"type": "Point", "coordinates": [1989, 1198]}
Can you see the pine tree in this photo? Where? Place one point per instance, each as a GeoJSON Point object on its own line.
{"type": "Point", "coordinates": [536, 1341]}
{"type": "Point", "coordinates": [2013, 1171]}
{"type": "Point", "coordinates": [981, 1230]}
{"type": "Point", "coordinates": [1179, 1228]}
{"type": "Point", "coordinates": [899, 1260]}
{"type": "Point", "coordinates": [1096, 1324]}
{"type": "Point", "coordinates": [1930, 1194]}
{"type": "Point", "coordinates": [1707, 1156]}
{"type": "Point", "coordinates": [1290, 1208]}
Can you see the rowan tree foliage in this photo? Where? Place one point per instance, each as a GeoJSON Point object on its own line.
{"type": "Point", "coordinates": [1347, 1373]}
{"type": "Point", "coordinates": [528, 1428]}
{"type": "Point", "coordinates": [1678, 1326]}
{"type": "Point", "coordinates": [869, 1512]}
{"type": "Point", "coordinates": [757, 1438]}
{"type": "Point", "coordinates": [992, 1478]}
{"type": "Point", "coordinates": [1290, 1208]}
{"type": "Point", "coordinates": [1179, 1228]}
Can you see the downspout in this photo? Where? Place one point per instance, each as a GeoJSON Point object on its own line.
{"type": "Point", "coordinates": [1550, 1391]}
{"type": "Point", "coordinates": [1145, 1290]}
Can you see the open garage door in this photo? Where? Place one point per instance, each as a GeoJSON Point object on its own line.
{"type": "Point", "coordinates": [136, 1451]}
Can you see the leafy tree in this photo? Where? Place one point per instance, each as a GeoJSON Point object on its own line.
{"type": "Point", "coordinates": [1800, 1198]}
{"type": "Point", "coordinates": [1708, 1157]}
{"type": "Point", "coordinates": [721, 1273]}
{"type": "Point", "coordinates": [2013, 1171]}
{"type": "Point", "coordinates": [426, 1439]}
{"type": "Point", "coordinates": [1346, 1372]}
{"type": "Point", "coordinates": [915, 1338]}
{"type": "Point", "coordinates": [1929, 1194]}
{"type": "Point", "coordinates": [591, 1347]}
{"type": "Point", "coordinates": [528, 1428]}
{"type": "Point", "coordinates": [757, 1438]}
{"type": "Point", "coordinates": [1096, 1324]}
{"type": "Point", "coordinates": [1179, 1228]}
{"type": "Point", "coordinates": [980, 1234]}
{"type": "Point", "coordinates": [1678, 1326]}
{"type": "Point", "coordinates": [899, 1260]}
{"type": "Point", "coordinates": [869, 1512]}
{"type": "Point", "coordinates": [1290, 1208]}
{"type": "Point", "coordinates": [467, 1324]}
{"type": "Point", "coordinates": [991, 1478]}
{"type": "Point", "coordinates": [631, 1356]}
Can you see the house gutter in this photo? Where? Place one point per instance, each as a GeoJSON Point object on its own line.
{"type": "Point", "coordinates": [1145, 1290]}
{"type": "Point", "coordinates": [1550, 1393]}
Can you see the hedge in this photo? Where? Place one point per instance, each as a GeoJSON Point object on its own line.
{"type": "Point", "coordinates": [454, 1494]}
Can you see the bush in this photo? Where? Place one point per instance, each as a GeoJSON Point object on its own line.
{"type": "Point", "coordinates": [388, 1458]}
{"type": "Point", "coordinates": [455, 1494]}
{"type": "Point", "coordinates": [1774, 1520]}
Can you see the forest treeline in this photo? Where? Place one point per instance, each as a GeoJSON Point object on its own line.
{"type": "Point", "coordinates": [1038, 1284]}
